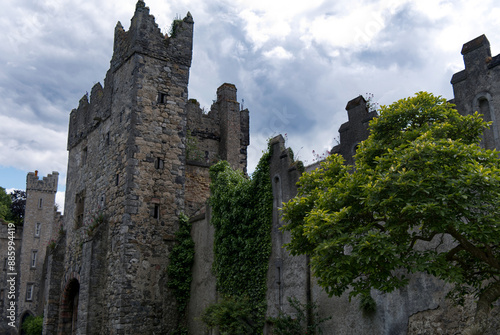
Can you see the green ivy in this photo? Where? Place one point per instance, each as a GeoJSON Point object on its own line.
{"type": "Point", "coordinates": [242, 217]}
{"type": "Point", "coordinates": [180, 268]}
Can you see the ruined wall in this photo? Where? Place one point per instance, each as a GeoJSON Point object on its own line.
{"type": "Point", "coordinates": [220, 134]}
{"type": "Point", "coordinates": [477, 88]}
{"type": "Point", "coordinates": [355, 129]}
{"type": "Point", "coordinates": [288, 276]}
{"type": "Point", "coordinates": [421, 307]}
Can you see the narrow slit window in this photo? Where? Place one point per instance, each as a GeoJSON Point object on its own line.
{"type": "Point", "coordinates": [156, 211]}
{"type": "Point", "coordinates": [159, 163]}
{"type": "Point", "coordinates": [34, 253]}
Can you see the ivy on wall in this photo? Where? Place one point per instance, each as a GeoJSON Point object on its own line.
{"type": "Point", "coordinates": [242, 217]}
{"type": "Point", "coordinates": [180, 270]}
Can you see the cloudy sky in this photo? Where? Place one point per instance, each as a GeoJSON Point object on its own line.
{"type": "Point", "coordinates": [295, 63]}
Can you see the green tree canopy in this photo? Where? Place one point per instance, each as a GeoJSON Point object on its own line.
{"type": "Point", "coordinates": [5, 203]}
{"type": "Point", "coordinates": [423, 196]}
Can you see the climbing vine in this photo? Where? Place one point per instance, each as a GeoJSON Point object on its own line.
{"type": "Point", "coordinates": [242, 217]}
{"type": "Point", "coordinates": [180, 270]}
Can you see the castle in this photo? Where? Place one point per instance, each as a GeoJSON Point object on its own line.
{"type": "Point", "coordinates": [139, 154]}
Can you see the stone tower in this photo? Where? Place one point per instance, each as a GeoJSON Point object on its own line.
{"type": "Point", "coordinates": [139, 154]}
{"type": "Point", "coordinates": [40, 226]}
{"type": "Point", "coordinates": [125, 185]}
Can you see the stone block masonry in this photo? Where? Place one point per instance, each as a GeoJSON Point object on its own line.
{"type": "Point", "coordinates": [129, 177]}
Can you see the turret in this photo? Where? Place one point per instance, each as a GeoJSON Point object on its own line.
{"type": "Point", "coordinates": [145, 37]}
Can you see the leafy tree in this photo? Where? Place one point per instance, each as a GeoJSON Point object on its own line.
{"type": "Point", "coordinates": [18, 206]}
{"type": "Point", "coordinates": [423, 196]}
{"type": "Point", "coordinates": [4, 204]}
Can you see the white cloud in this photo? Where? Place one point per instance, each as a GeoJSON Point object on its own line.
{"type": "Point", "coordinates": [278, 53]}
{"type": "Point", "coordinates": [307, 58]}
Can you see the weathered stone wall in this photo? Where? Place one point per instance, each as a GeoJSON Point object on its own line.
{"type": "Point", "coordinates": [288, 276]}
{"type": "Point", "coordinates": [203, 289]}
{"type": "Point", "coordinates": [126, 161]}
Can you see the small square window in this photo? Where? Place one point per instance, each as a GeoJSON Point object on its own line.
{"type": "Point", "coordinates": [162, 98]}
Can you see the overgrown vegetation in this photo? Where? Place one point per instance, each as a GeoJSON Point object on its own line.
{"type": "Point", "coordinates": [242, 217]}
{"type": "Point", "coordinates": [296, 323]}
{"type": "Point", "coordinates": [180, 271]}
{"type": "Point", "coordinates": [235, 316]}
{"type": "Point", "coordinates": [174, 28]}
{"type": "Point", "coordinates": [32, 325]}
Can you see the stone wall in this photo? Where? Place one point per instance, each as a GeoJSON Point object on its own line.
{"type": "Point", "coordinates": [288, 276]}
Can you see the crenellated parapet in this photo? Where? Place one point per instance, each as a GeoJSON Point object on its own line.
{"type": "Point", "coordinates": [89, 114]}
{"type": "Point", "coordinates": [355, 129]}
{"type": "Point", "coordinates": [47, 184]}
{"type": "Point", "coordinates": [145, 37]}
{"type": "Point", "coordinates": [223, 132]}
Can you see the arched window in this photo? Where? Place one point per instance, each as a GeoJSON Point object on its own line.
{"type": "Point", "coordinates": [482, 105]}
{"type": "Point", "coordinates": [69, 308]}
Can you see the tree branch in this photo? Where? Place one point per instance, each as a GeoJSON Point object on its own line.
{"type": "Point", "coordinates": [483, 307]}
{"type": "Point", "coordinates": [475, 251]}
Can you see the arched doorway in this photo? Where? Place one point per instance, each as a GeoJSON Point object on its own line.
{"type": "Point", "coordinates": [23, 318]}
{"type": "Point", "coordinates": [69, 308]}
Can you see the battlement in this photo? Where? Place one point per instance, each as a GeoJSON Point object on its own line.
{"type": "Point", "coordinates": [477, 59]}
{"type": "Point", "coordinates": [145, 37]}
{"type": "Point", "coordinates": [355, 130]}
{"type": "Point", "coordinates": [223, 132]}
{"type": "Point", "coordinates": [47, 184]}
{"type": "Point", "coordinates": [89, 114]}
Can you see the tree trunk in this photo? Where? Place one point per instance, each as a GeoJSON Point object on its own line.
{"type": "Point", "coordinates": [483, 307]}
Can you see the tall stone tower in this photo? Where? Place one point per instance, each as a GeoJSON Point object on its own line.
{"type": "Point", "coordinates": [40, 226]}
{"type": "Point", "coordinates": [125, 187]}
